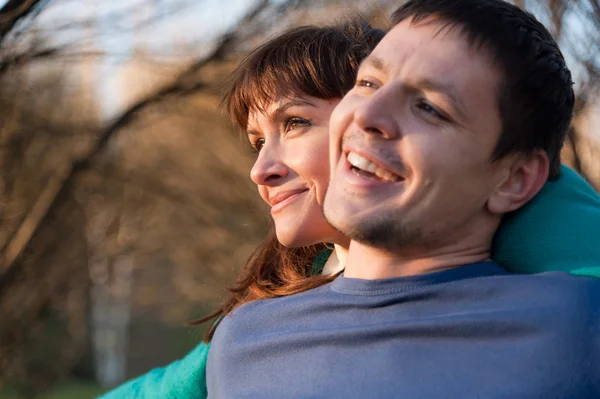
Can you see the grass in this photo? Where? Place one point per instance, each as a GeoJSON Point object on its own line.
{"type": "Point", "coordinates": [72, 389]}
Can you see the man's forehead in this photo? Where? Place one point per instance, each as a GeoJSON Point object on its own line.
{"type": "Point", "coordinates": [375, 62]}
{"type": "Point", "coordinates": [429, 46]}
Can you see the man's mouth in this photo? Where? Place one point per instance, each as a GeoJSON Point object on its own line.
{"type": "Point", "coordinates": [366, 168]}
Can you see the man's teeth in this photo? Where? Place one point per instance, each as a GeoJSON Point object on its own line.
{"type": "Point", "coordinates": [365, 165]}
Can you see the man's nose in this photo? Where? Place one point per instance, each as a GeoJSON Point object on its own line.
{"type": "Point", "coordinates": [377, 114]}
{"type": "Point", "coordinates": [268, 168]}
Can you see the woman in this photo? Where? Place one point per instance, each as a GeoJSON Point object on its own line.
{"type": "Point", "coordinates": [309, 62]}
{"type": "Point", "coordinates": [282, 95]}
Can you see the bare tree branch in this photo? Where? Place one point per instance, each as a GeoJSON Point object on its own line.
{"type": "Point", "coordinates": [28, 227]}
{"type": "Point", "coordinates": [557, 10]}
{"type": "Point", "coordinates": [185, 84]}
{"type": "Point", "coordinates": [12, 12]}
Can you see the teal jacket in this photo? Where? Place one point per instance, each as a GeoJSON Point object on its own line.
{"type": "Point", "coordinates": [182, 379]}
{"type": "Point", "coordinates": [558, 230]}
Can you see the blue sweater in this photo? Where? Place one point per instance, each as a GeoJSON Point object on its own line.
{"type": "Point", "coordinates": [475, 331]}
{"type": "Point", "coordinates": [558, 230]}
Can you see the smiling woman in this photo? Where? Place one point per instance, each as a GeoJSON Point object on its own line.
{"type": "Point", "coordinates": [292, 167]}
{"type": "Point", "coordinates": [282, 96]}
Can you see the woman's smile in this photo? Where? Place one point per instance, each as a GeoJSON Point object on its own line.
{"type": "Point", "coordinates": [284, 198]}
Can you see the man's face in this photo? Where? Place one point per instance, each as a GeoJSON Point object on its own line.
{"type": "Point", "coordinates": [411, 143]}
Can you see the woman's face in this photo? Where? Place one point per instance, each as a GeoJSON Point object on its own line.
{"type": "Point", "coordinates": [292, 167]}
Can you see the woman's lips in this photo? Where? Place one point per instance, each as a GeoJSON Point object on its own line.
{"type": "Point", "coordinates": [282, 199]}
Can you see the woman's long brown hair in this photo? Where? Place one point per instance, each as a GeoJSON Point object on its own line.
{"type": "Point", "coordinates": [311, 61]}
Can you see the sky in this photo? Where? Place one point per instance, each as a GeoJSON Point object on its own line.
{"type": "Point", "coordinates": [179, 31]}
{"type": "Point", "coordinates": [179, 26]}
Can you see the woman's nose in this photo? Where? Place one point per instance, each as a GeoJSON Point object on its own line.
{"type": "Point", "coordinates": [268, 168]}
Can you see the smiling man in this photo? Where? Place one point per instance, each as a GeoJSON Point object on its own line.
{"type": "Point", "coordinates": [457, 118]}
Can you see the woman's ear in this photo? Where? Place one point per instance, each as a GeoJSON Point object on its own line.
{"type": "Point", "coordinates": [525, 179]}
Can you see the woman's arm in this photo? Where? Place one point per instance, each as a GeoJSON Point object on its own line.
{"type": "Point", "coordinates": [183, 379]}
{"type": "Point", "coordinates": [559, 230]}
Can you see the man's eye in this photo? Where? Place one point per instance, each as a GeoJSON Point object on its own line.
{"type": "Point", "coordinates": [295, 122]}
{"type": "Point", "coordinates": [430, 110]}
{"type": "Point", "coordinates": [366, 83]}
{"type": "Point", "coordinates": [258, 145]}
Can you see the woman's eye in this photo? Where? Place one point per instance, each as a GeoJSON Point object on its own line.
{"type": "Point", "coordinates": [430, 110]}
{"type": "Point", "coordinates": [294, 123]}
{"type": "Point", "coordinates": [258, 145]}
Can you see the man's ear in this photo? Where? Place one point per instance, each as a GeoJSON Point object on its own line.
{"type": "Point", "coordinates": [525, 179]}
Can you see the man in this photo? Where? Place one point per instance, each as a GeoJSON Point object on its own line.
{"type": "Point", "coordinates": [463, 108]}
{"type": "Point", "coordinates": [457, 118]}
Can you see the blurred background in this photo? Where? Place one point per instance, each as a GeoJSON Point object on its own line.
{"type": "Point", "coordinates": [125, 201]}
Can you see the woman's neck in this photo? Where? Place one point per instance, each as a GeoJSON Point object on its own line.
{"type": "Point", "coordinates": [337, 260]}
{"type": "Point", "coordinates": [341, 252]}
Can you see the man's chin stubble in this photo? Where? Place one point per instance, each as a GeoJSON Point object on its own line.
{"type": "Point", "coordinates": [386, 235]}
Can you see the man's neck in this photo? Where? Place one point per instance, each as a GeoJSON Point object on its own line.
{"type": "Point", "coordinates": [370, 263]}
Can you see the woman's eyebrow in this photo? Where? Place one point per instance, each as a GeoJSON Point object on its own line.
{"type": "Point", "coordinates": [280, 111]}
{"type": "Point", "coordinates": [289, 104]}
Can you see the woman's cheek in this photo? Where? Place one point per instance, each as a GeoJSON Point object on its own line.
{"type": "Point", "coordinates": [262, 191]}
{"type": "Point", "coordinates": [321, 168]}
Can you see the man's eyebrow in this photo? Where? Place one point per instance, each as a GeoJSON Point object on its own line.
{"type": "Point", "coordinates": [447, 90]}
{"type": "Point", "coordinates": [374, 62]}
